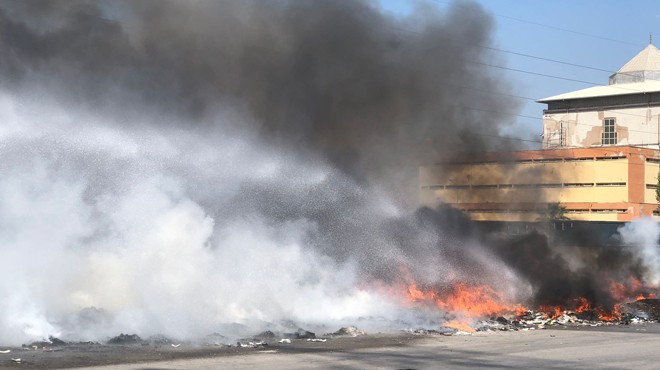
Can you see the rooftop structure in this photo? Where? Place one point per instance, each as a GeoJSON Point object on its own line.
{"type": "Point", "coordinates": [643, 67]}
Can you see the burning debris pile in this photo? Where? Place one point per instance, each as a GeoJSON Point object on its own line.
{"type": "Point", "coordinates": [641, 311]}
{"type": "Point", "coordinates": [580, 285]}
{"type": "Point", "coordinates": [516, 317]}
{"type": "Point", "coordinates": [638, 312]}
{"type": "Point", "coordinates": [471, 305]}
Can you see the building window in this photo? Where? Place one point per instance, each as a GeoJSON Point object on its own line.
{"type": "Point", "coordinates": [609, 132]}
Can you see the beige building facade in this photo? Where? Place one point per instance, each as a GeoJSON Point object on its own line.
{"type": "Point", "coordinates": [593, 184]}
{"type": "Point", "coordinates": [600, 157]}
{"type": "Point", "coordinates": [625, 112]}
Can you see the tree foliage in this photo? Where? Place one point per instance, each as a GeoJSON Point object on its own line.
{"type": "Point", "coordinates": [554, 212]}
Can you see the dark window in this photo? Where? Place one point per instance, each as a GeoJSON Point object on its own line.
{"type": "Point", "coordinates": [609, 132]}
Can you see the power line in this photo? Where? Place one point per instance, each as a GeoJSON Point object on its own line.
{"type": "Point", "coordinates": [536, 73]}
{"type": "Point", "coordinates": [104, 19]}
{"type": "Point", "coordinates": [547, 25]}
{"type": "Point", "coordinates": [539, 58]}
{"type": "Point", "coordinates": [509, 138]}
{"type": "Point", "coordinates": [567, 30]}
{"type": "Point", "coordinates": [496, 111]}
{"type": "Point", "coordinates": [493, 66]}
{"type": "Point", "coordinates": [546, 59]}
{"type": "Point", "coordinates": [522, 54]}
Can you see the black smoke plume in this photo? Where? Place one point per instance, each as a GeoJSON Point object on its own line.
{"type": "Point", "coordinates": [374, 94]}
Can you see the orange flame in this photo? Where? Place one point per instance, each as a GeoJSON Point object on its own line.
{"type": "Point", "coordinates": [582, 304]}
{"type": "Point", "coordinates": [459, 325]}
{"type": "Point", "coordinates": [551, 312]}
{"type": "Point", "coordinates": [472, 301]}
{"type": "Point", "coordinates": [614, 314]}
{"type": "Point", "coordinates": [644, 296]}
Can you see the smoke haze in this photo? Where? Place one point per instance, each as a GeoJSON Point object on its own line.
{"type": "Point", "coordinates": [246, 160]}
{"type": "Point", "coordinates": [170, 167]}
{"type": "Point", "coordinates": [369, 93]}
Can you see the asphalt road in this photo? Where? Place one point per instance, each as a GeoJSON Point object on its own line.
{"type": "Point", "coordinates": [621, 347]}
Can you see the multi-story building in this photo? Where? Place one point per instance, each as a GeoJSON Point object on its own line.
{"type": "Point", "coordinates": [599, 160]}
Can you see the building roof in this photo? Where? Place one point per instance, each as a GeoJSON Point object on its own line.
{"type": "Point", "coordinates": [646, 60]}
{"type": "Point", "coordinates": [608, 90]}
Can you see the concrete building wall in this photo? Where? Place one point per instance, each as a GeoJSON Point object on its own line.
{"type": "Point", "coordinates": [594, 184]}
{"type": "Point", "coordinates": [634, 127]}
{"type": "Point", "coordinates": [650, 180]}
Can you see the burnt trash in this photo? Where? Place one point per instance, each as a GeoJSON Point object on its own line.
{"type": "Point", "coordinates": [627, 319]}
{"type": "Point", "coordinates": [251, 344]}
{"type": "Point", "coordinates": [56, 341]}
{"type": "Point", "coordinates": [265, 335]}
{"type": "Point", "coordinates": [348, 331]}
{"type": "Point", "coordinates": [50, 342]}
{"type": "Point", "coordinates": [216, 339]}
{"type": "Point", "coordinates": [301, 334]}
{"type": "Point", "coordinates": [159, 340]}
{"type": "Point", "coordinates": [126, 339]}
{"type": "Point", "coordinates": [440, 331]}
{"type": "Point", "coordinates": [589, 315]}
{"type": "Point", "coordinates": [644, 309]}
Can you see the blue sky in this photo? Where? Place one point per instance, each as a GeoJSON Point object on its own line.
{"type": "Point", "coordinates": [627, 22]}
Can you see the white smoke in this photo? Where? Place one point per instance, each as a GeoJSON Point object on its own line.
{"type": "Point", "coordinates": [642, 234]}
{"type": "Point", "coordinates": [110, 226]}
{"type": "Point", "coordinates": [101, 233]}
{"type": "Point", "coordinates": [118, 215]}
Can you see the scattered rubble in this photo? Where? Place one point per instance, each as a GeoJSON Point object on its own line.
{"type": "Point", "coordinates": [643, 309]}
{"type": "Point", "coordinates": [50, 342]}
{"type": "Point", "coordinates": [300, 334]}
{"type": "Point", "coordinates": [56, 342]}
{"type": "Point", "coordinates": [215, 339]}
{"type": "Point", "coordinates": [348, 331]}
{"type": "Point", "coordinates": [251, 344]}
{"type": "Point", "coordinates": [265, 335]}
{"type": "Point", "coordinates": [441, 331]}
{"type": "Point", "coordinates": [126, 339]}
{"type": "Point", "coordinates": [159, 340]}
{"type": "Point", "coordinates": [533, 320]}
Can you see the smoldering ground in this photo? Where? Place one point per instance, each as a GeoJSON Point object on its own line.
{"type": "Point", "coordinates": [174, 166]}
